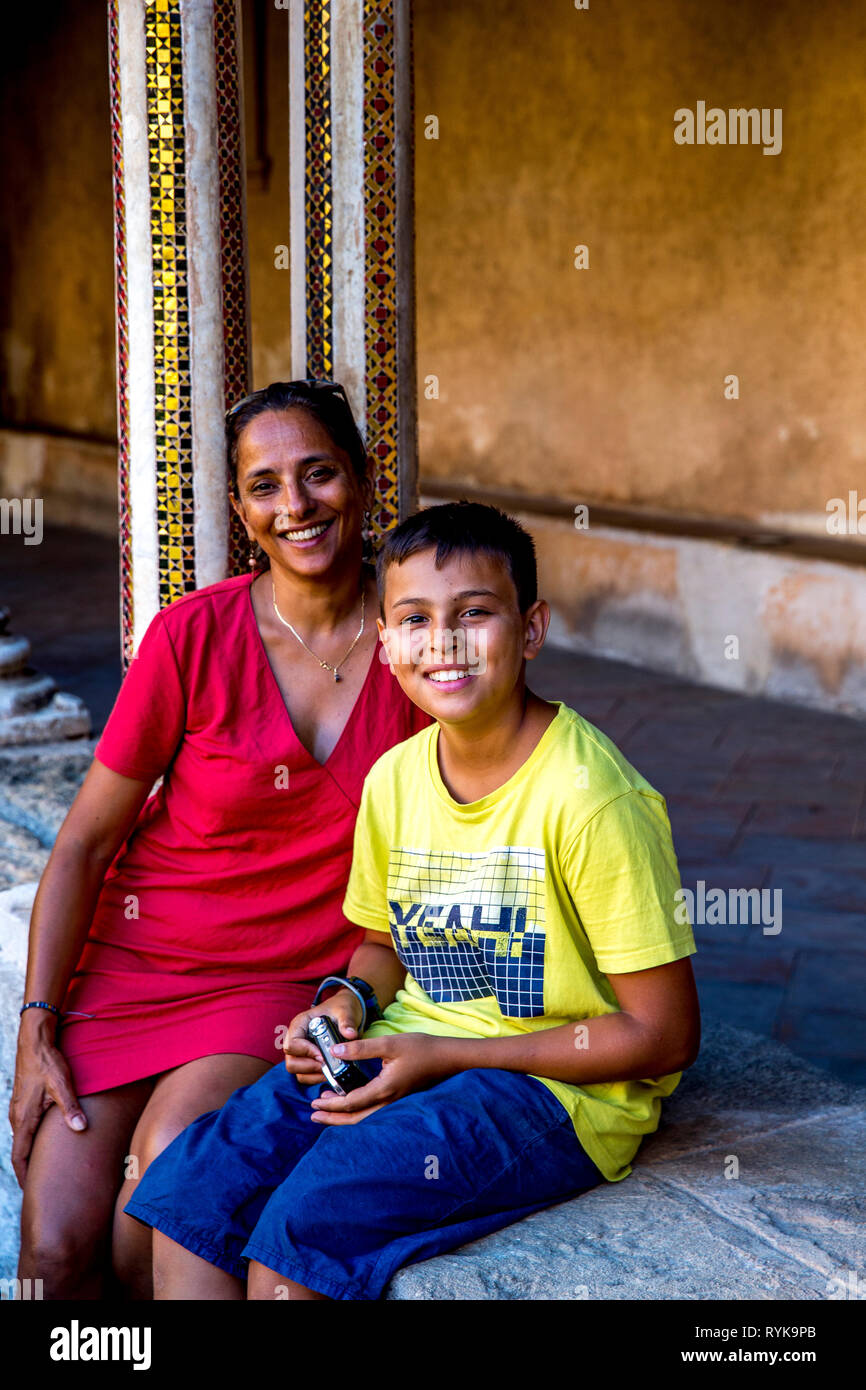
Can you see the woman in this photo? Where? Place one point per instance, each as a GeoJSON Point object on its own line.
{"type": "Point", "coordinates": [175, 934]}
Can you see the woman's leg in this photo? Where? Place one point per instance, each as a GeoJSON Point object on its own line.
{"type": "Point", "coordinates": [178, 1098]}
{"type": "Point", "coordinates": [72, 1181]}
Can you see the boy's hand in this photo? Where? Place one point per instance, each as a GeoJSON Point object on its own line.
{"type": "Point", "coordinates": [344, 1008]}
{"type": "Point", "coordinates": [410, 1062]}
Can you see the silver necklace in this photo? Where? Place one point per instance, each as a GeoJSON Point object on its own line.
{"type": "Point", "coordinates": [326, 664]}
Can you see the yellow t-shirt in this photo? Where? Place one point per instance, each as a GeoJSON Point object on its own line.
{"type": "Point", "coordinates": [507, 911]}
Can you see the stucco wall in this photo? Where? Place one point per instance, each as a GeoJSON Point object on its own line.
{"type": "Point", "coordinates": [57, 348]}
{"type": "Point", "coordinates": [268, 206]}
{"type": "Point", "coordinates": [556, 128]}
{"type": "Point", "coordinates": [56, 231]}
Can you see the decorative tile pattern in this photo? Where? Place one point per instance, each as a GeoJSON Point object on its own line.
{"type": "Point", "coordinates": [233, 240]}
{"type": "Point", "coordinates": [380, 230]}
{"type": "Point", "coordinates": [165, 121]}
{"type": "Point", "coordinates": [122, 322]}
{"type": "Point", "coordinates": [381, 259]}
{"type": "Point", "coordinates": [318, 189]}
{"type": "Point", "coordinates": [171, 337]}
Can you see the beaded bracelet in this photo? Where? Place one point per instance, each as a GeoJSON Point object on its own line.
{"type": "Point", "coordinates": [39, 1004]}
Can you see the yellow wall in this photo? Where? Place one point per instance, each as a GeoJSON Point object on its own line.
{"type": "Point", "coordinates": [556, 128]}
{"type": "Point", "coordinates": [56, 230]}
{"type": "Point", "coordinates": [268, 208]}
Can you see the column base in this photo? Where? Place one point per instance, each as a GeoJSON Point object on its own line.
{"type": "Point", "coordinates": [66, 716]}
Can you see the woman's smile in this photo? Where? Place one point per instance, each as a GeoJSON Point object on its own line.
{"type": "Point", "coordinates": [303, 536]}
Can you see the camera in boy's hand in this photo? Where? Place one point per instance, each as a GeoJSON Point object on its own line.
{"type": "Point", "coordinates": [342, 1076]}
{"type": "Point", "coordinates": [302, 1056]}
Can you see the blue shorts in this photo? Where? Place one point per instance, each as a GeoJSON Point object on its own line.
{"type": "Point", "coordinates": [341, 1208]}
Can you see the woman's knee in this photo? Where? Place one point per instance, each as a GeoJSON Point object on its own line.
{"type": "Point", "coordinates": [182, 1096]}
{"type": "Point", "coordinates": [57, 1246]}
{"type": "Point", "coordinates": [150, 1140]}
{"type": "Point", "coordinates": [64, 1242]}
{"type": "Point", "coordinates": [69, 1193]}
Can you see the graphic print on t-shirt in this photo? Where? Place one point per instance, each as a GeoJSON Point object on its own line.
{"type": "Point", "coordinates": [471, 925]}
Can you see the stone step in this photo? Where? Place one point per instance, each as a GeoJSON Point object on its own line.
{"type": "Point", "coordinates": [24, 693]}
{"type": "Point", "coordinates": [14, 655]}
{"type": "Point", "coordinates": [65, 717]}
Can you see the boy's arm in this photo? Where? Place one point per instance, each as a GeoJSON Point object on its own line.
{"type": "Point", "coordinates": [656, 1033]}
{"type": "Point", "coordinates": [366, 904]}
{"type": "Point", "coordinates": [375, 961]}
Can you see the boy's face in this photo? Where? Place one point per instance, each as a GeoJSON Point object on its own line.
{"type": "Point", "coordinates": [455, 636]}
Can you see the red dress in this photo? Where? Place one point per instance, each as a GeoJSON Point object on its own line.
{"type": "Point", "coordinates": [222, 910]}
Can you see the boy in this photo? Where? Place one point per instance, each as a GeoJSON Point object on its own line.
{"type": "Point", "coordinates": [522, 872]}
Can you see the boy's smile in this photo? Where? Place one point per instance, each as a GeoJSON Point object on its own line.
{"type": "Point", "coordinates": [449, 678]}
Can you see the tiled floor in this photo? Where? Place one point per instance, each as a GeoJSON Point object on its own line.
{"type": "Point", "coordinates": [761, 796]}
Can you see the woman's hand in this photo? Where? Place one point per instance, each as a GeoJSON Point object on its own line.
{"type": "Point", "coordinates": [345, 1009]}
{"type": "Point", "coordinates": [410, 1062]}
{"type": "Point", "coordinates": [42, 1079]}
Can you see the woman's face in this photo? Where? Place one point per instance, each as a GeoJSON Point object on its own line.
{"type": "Point", "coordinates": [298, 494]}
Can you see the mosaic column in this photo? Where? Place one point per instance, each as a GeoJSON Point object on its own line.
{"type": "Point", "coordinates": [181, 292]}
{"type": "Point", "coordinates": [352, 224]}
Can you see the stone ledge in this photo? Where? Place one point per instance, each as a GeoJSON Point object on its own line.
{"type": "Point", "coordinates": [37, 786]}
{"type": "Point", "coordinates": [63, 716]}
{"type": "Point", "coordinates": [789, 1227]}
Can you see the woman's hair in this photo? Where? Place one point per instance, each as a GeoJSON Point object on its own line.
{"type": "Point", "coordinates": [326, 401]}
{"type": "Point", "coordinates": [464, 528]}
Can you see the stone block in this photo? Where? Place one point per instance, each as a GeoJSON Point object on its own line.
{"type": "Point", "coordinates": [788, 1227]}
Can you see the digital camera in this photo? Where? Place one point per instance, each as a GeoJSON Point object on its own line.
{"type": "Point", "coordinates": [341, 1076]}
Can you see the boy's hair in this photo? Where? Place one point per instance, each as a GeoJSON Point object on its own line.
{"type": "Point", "coordinates": [464, 528]}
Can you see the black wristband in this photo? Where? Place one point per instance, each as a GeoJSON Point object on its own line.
{"type": "Point", "coordinates": [368, 994]}
{"type": "Point", "coordinates": [362, 991]}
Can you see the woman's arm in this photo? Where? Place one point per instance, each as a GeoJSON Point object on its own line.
{"type": "Point", "coordinates": [98, 821]}
{"type": "Point", "coordinates": [656, 1032]}
{"type": "Point", "coordinates": [100, 818]}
